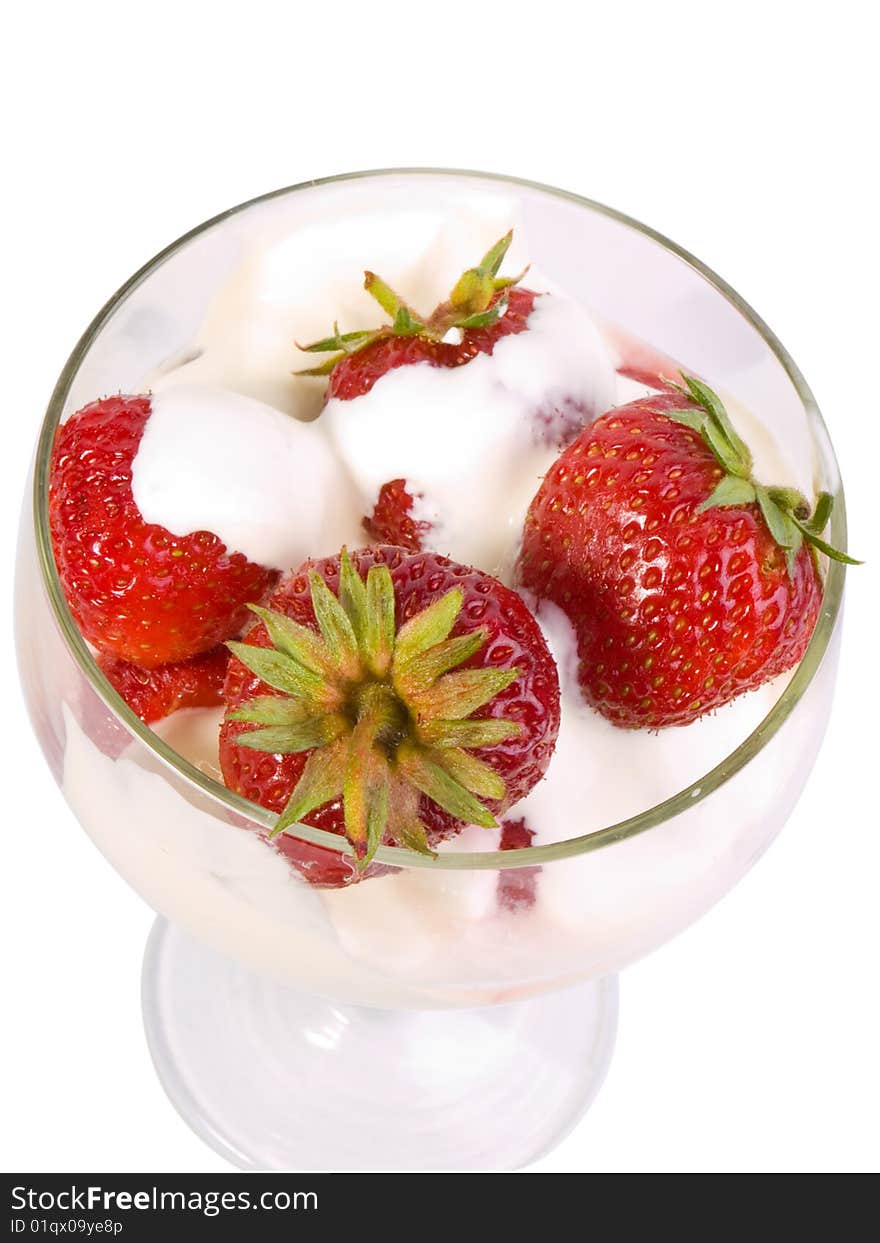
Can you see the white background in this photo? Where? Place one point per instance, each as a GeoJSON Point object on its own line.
{"type": "Point", "coordinates": [746, 132]}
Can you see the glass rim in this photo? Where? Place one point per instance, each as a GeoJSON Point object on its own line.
{"type": "Point", "coordinates": [397, 856]}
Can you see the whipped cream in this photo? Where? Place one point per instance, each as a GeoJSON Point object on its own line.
{"type": "Point", "coordinates": [266, 485]}
{"type": "Point", "coordinates": [474, 442]}
{"type": "Point", "coordinates": [600, 774]}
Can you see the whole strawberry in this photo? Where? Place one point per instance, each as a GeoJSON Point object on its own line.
{"type": "Point", "coordinates": [136, 591]}
{"type": "Point", "coordinates": [482, 310]}
{"type": "Point", "coordinates": [685, 580]}
{"type": "Point", "coordinates": [388, 697]}
{"type": "Point", "coordinates": [156, 693]}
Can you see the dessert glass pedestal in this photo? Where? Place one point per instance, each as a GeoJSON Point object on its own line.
{"type": "Point", "coordinates": [412, 1021]}
{"type": "Point", "coordinates": [299, 1082]}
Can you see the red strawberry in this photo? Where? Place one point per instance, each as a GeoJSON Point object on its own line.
{"type": "Point", "coordinates": [482, 309]}
{"type": "Point", "coordinates": [504, 313]}
{"type": "Point", "coordinates": [156, 693]}
{"type": "Point", "coordinates": [517, 887]}
{"type": "Point", "coordinates": [686, 581]}
{"type": "Point", "coordinates": [359, 701]}
{"type": "Point", "coordinates": [136, 591]}
{"type": "Point", "coordinates": [392, 522]}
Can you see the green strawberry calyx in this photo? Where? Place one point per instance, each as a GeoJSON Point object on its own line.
{"type": "Point", "coordinates": [384, 712]}
{"type": "Point", "coordinates": [478, 300]}
{"type": "Point", "coordinates": [786, 511]}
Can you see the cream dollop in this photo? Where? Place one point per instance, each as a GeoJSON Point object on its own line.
{"type": "Point", "coordinates": [268, 486]}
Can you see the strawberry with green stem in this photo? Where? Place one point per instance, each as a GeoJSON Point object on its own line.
{"type": "Point", "coordinates": [388, 697]}
{"type": "Point", "coordinates": [686, 580]}
{"type": "Point", "coordinates": [483, 309]}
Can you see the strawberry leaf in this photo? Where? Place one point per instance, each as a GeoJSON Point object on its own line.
{"type": "Point", "coordinates": [483, 319]}
{"type": "Point", "coordinates": [405, 325]}
{"type": "Point", "coordinates": [823, 546]}
{"type": "Point", "coordinates": [322, 369]}
{"type": "Point", "coordinates": [724, 452]}
{"type": "Point", "coordinates": [377, 816]}
{"type": "Point", "coordinates": [491, 262]}
{"type": "Point", "coordinates": [472, 734]}
{"type": "Point", "coordinates": [298, 642]}
{"type": "Point", "coordinates": [694, 419]}
{"type": "Point", "coordinates": [353, 598]}
{"type": "Point", "coordinates": [270, 710]}
{"type": "Point", "coordinates": [427, 628]}
{"type": "Point", "coordinates": [379, 630]}
{"type": "Point", "coordinates": [365, 788]}
{"type": "Point", "coordinates": [334, 625]}
{"type": "Point", "coordinates": [778, 522]}
{"type": "Point", "coordinates": [714, 406]}
{"type": "Point", "coordinates": [422, 671]}
{"type": "Point", "coordinates": [821, 514]}
{"type": "Point", "coordinates": [474, 774]}
{"type": "Point", "coordinates": [730, 491]}
{"type": "Point", "coordinates": [411, 835]}
{"type": "Point", "coordinates": [320, 782]}
{"type": "Point", "coordinates": [347, 342]}
{"type": "Point", "coordinates": [409, 323]}
{"type": "Point", "coordinates": [314, 731]}
{"type": "Point", "coordinates": [437, 784]}
{"type": "Point", "coordinates": [457, 695]}
{"type": "Point", "coordinates": [475, 288]}
{"type": "Point", "coordinates": [281, 672]}
{"type": "Point", "coordinates": [789, 500]}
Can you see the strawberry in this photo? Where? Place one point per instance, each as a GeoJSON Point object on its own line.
{"type": "Point", "coordinates": [388, 697]}
{"type": "Point", "coordinates": [505, 313]}
{"type": "Point", "coordinates": [545, 398]}
{"type": "Point", "coordinates": [482, 308]}
{"type": "Point", "coordinates": [392, 522]}
{"type": "Point", "coordinates": [156, 693]}
{"type": "Point", "coordinates": [136, 591]}
{"type": "Point", "coordinates": [517, 887]}
{"type": "Point", "coordinates": [685, 580]}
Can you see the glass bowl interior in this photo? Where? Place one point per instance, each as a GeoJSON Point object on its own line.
{"type": "Point", "coordinates": [625, 271]}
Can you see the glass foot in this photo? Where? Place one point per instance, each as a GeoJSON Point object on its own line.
{"type": "Point", "coordinates": [275, 1079]}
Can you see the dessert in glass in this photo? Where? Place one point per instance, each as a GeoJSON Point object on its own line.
{"type": "Point", "coordinates": [424, 645]}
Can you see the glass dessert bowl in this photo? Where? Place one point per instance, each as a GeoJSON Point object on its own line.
{"type": "Point", "coordinates": [454, 1010]}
